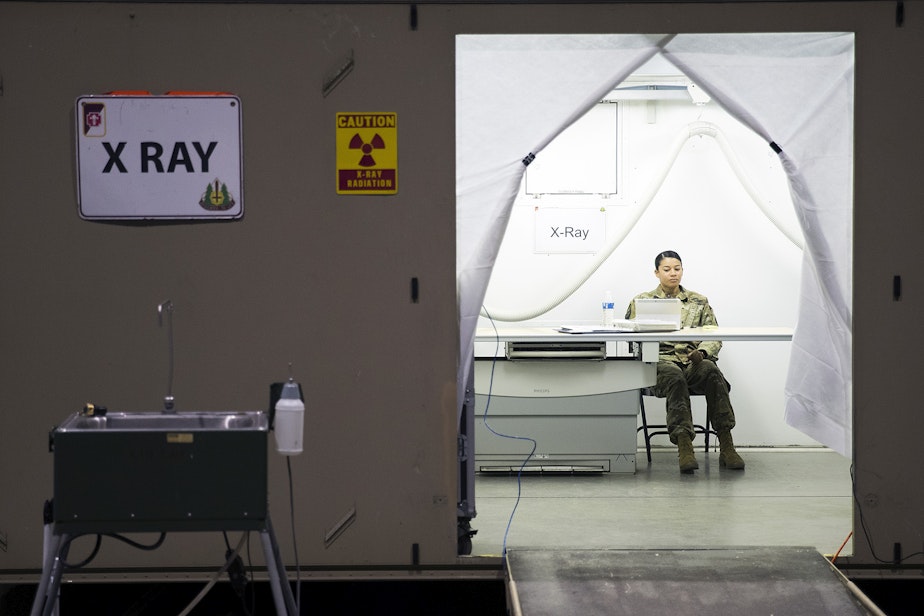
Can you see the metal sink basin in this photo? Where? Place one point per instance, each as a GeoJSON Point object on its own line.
{"type": "Point", "coordinates": [189, 421]}
{"type": "Point", "coordinates": [151, 471]}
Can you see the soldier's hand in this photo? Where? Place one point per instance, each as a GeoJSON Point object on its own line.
{"type": "Point", "coordinates": [696, 357]}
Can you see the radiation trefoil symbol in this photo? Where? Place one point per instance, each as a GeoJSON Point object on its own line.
{"type": "Point", "coordinates": [357, 143]}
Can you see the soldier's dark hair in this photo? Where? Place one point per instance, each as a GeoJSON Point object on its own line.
{"type": "Point", "coordinates": [667, 254]}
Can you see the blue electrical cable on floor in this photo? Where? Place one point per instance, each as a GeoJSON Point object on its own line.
{"type": "Point", "coordinates": [496, 433]}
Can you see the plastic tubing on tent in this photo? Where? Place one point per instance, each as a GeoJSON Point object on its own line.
{"type": "Point", "coordinates": [695, 129]}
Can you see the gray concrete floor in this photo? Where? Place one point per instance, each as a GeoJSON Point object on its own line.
{"type": "Point", "coordinates": [785, 497]}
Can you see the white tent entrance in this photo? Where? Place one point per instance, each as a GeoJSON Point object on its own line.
{"type": "Point", "coordinates": [515, 94]}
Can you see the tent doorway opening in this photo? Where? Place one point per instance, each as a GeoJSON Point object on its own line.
{"type": "Point", "coordinates": [777, 253]}
{"type": "Point", "coordinates": [516, 94]}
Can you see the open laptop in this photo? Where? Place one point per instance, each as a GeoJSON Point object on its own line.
{"type": "Point", "coordinates": [657, 314]}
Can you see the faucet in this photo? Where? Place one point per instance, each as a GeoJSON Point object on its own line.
{"type": "Point", "coordinates": [166, 307]}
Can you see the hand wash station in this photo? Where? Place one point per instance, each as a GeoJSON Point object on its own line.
{"type": "Point", "coordinates": [164, 472]}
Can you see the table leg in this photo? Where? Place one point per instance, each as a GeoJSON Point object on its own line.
{"type": "Point", "coordinates": [279, 582]}
{"type": "Point", "coordinates": [46, 596]}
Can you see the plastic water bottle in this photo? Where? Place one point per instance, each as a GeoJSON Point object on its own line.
{"type": "Point", "coordinates": [290, 420]}
{"type": "Point", "coordinates": [608, 310]}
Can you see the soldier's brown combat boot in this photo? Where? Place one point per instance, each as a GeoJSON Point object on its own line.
{"type": "Point", "coordinates": [728, 457]}
{"type": "Point", "coordinates": [688, 462]}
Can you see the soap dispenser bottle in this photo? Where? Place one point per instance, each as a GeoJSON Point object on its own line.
{"type": "Point", "coordinates": [289, 419]}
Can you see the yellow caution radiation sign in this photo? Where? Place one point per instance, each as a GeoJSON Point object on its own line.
{"type": "Point", "coordinates": [367, 153]}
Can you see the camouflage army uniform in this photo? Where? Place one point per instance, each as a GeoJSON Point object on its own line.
{"type": "Point", "coordinates": [678, 377]}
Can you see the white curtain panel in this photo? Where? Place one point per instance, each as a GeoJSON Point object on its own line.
{"type": "Point", "coordinates": [516, 93]}
{"type": "Point", "coordinates": [796, 91]}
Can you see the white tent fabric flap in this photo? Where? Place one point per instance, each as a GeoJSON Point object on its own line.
{"type": "Point", "coordinates": [514, 94]}
{"type": "Point", "coordinates": [795, 90]}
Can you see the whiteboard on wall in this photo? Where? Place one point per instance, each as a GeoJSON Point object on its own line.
{"type": "Point", "coordinates": [582, 160]}
{"type": "Point", "coordinates": [159, 157]}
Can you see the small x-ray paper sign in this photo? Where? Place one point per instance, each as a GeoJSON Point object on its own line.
{"type": "Point", "coordinates": [570, 230]}
{"type": "Point", "coordinates": [367, 153]}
